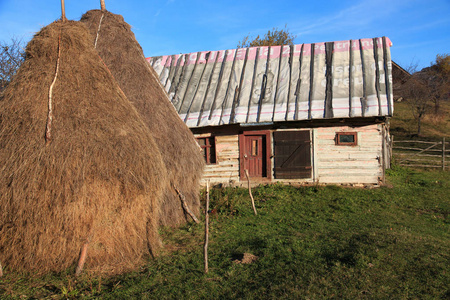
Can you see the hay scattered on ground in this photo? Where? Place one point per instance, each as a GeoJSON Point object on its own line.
{"type": "Point", "coordinates": [123, 55]}
{"type": "Point", "coordinates": [98, 180]}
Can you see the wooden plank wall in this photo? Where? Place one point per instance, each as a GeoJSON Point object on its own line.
{"type": "Point", "coordinates": [332, 164]}
{"type": "Point", "coordinates": [349, 164]}
{"type": "Point", "coordinates": [226, 170]}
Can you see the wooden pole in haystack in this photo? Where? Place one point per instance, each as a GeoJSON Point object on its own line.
{"type": "Point", "coordinates": [63, 11]}
{"type": "Point", "coordinates": [102, 5]}
{"type": "Point", "coordinates": [185, 206]}
{"type": "Point", "coordinates": [250, 192]}
{"type": "Point", "coordinates": [206, 227]}
{"type": "Point", "coordinates": [82, 259]}
{"type": "Point", "coordinates": [1, 270]}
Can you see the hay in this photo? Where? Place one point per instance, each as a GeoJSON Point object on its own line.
{"type": "Point", "coordinates": [98, 180]}
{"type": "Point", "coordinates": [123, 55]}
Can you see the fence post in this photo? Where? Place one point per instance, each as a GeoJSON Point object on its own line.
{"type": "Point", "coordinates": [391, 155]}
{"type": "Point", "coordinates": [443, 153]}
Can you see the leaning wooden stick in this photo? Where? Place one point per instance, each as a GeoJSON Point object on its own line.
{"type": "Point", "coordinates": [206, 227]}
{"type": "Point", "coordinates": [1, 270]}
{"type": "Point", "coordinates": [185, 206]}
{"type": "Point", "coordinates": [82, 258]}
{"type": "Point", "coordinates": [250, 191]}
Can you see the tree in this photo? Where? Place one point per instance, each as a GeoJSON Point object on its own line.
{"type": "Point", "coordinates": [271, 38]}
{"type": "Point", "coordinates": [416, 92]}
{"type": "Point", "coordinates": [439, 80]}
{"type": "Point", "coordinates": [12, 55]}
{"type": "Point", "coordinates": [427, 88]}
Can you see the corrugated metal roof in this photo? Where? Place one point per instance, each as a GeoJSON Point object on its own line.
{"type": "Point", "coordinates": [342, 79]}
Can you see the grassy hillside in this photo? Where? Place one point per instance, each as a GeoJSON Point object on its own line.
{"type": "Point", "coordinates": [403, 124]}
{"type": "Point", "coordinates": [305, 243]}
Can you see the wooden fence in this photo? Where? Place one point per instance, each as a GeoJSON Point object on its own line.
{"type": "Point", "coordinates": [424, 154]}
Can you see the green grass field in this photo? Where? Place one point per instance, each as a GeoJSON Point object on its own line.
{"type": "Point", "coordinates": [307, 243]}
{"type": "Point", "coordinates": [311, 242]}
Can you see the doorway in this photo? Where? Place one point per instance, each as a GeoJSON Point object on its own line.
{"type": "Point", "coordinates": [254, 154]}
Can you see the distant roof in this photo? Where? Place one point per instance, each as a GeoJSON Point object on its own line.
{"type": "Point", "coordinates": [280, 83]}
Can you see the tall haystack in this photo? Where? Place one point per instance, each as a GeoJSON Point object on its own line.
{"type": "Point", "coordinates": [85, 173]}
{"type": "Point", "coordinates": [123, 55]}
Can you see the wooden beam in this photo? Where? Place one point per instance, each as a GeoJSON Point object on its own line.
{"type": "Point", "coordinates": [63, 11]}
{"type": "Point", "coordinates": [102, 5]}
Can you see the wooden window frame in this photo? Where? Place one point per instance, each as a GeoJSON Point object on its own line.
{"type": "Point", "coordinates": [209, 147]}
{"type": "Point", "coordinates": [338, 140]}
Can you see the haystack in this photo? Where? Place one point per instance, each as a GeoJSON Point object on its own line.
{"type": "Point", "coordinates": [123, 55]}
{"type": "Point", "coordinates": [94, 180]}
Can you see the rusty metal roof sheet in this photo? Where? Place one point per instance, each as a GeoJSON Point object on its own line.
{"type": "Point", "coordinates": [342, 79]}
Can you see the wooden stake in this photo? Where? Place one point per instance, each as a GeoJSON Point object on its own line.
{"type": "Point", "coordinates": [102, 5]}
{"type": "Point", "coordinates": [1, 270]}
{"type": "Point", "coordinates": [82, 258]}
{"type": "Point", "coordinates": [206, 227]}
{"type": "Point", "coordinates": [63, 11]}
{"type": "Point", "coordinates": [185, 206]}
{"type": "Point", "coordinates": [250, 191]}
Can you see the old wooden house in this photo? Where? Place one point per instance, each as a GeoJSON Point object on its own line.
{"type": "Point", "coordinates": [308, 113]}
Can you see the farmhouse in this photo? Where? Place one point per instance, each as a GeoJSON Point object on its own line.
{"type": "Point", "coordinates": [308, 113]}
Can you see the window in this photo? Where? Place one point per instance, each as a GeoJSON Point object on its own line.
{"type": "Point", "coordinates": [254, 147]}
{"type": "Point", "coordinates": [208, 146]}
{"type": "Point", "coordinates": [346, 138]}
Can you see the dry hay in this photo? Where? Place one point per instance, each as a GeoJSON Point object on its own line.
{"type": "Point", "coordinates": [99, 178]}
{"type": "Point", "coordinates": [123, 55]}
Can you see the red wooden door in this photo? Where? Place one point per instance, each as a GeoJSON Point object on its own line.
{"type": "Point", "coordinates": [253, 155]}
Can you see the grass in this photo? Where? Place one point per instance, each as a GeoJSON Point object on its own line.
{"type": "Point", "coordinates": [310, 242]}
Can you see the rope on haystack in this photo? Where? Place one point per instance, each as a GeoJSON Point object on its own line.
{"type": "Point", "coordinates": [48, 133]}
{"type": "Point", "coordinates": [185, 206]}
{"type": "Point", "coordinates": [101, 59]}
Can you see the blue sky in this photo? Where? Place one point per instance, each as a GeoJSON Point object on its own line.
{"type": "Point", "coordinates": [418, 29]}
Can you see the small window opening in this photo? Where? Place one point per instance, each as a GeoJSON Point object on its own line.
{"type": "Point", "coordinates": [254, 147]}
{"type": "Point", "coordinates": [208, 146]}
{"type": "Point", "coordinates": [346, 138]}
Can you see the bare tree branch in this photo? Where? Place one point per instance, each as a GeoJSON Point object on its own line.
{"type": "Point", "coordinates": [271, 38]}
{"type": "Point", "coordinates": [12, 55]}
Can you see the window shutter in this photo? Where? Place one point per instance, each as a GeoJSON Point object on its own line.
{"type": "Point", "coordinates": [292, 154]}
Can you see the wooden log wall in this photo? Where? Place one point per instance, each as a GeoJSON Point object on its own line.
{"type": "Point", "coordinates": [331, 163]}
{"type": "Point", "coordinates": [362, 163]}
{"type": "Point", "coordinates": [226, 168]}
